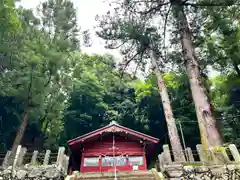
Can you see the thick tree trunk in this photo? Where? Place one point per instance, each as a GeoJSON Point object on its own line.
{"type": "Point", "coordinates": [210, 134]}
{"type": "Point", "coordinates": [19, 134]}
{"type": "Point", "coordinates": [171, 124]}
{"type": "Point", "coordinates": [39, 140]}
{"type": "Point", "coordinates": [24, 122]}
{"type": "Point", "coordinates": [43, 136]}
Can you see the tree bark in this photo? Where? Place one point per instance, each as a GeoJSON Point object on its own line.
{"type": "Point", "coordinates": [171, 124]}
{"type": "Point", "coordinates": [24, 122]}
{"type": "Point", "coordinates": [39, 140]}
{"type": "Point", "coordinates": [235, 65]}
{"type": "Point", "coordinates": [210, 134]}
{"type": "Point", "coordinates": [19, 134]}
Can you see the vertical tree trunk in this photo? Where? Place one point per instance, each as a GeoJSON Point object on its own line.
{"type": "Point", "coordinates": [210, 134]}
{"type": "Point", "coordinates": [39, 140]}
{"type": "Point", "coordinates": [171, 124]}
{"type": "Point", "coordinates": [235, 65]}
{"type": "Point", "coordinates": [24, 122]}
{"type": "Point", "coordinates": [19, 134]}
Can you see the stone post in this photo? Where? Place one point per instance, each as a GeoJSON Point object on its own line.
{"type": "Point", "coordinates": [21, 156]}
{"type": "Point", "coordinates": [234, 152]}
{"type": "Point", "coordinates": [60, 158]}
{"type": "Point", "coordinates": [16, 157]}
{"type": "Point", "coordinates": [161, 161]}
{"type": "Point", "coordinates": [216, 156]}
{"type": "Point", "coordinates": [46, 157]}
{"type": "Point", "coordinates": [225, 156]}
{"type": "Point", "coordinates": [201, 154]}
{"type": "Point", "coordinates": [6, 159]}
{"type": "Point", "coordinates": [167, 154]}
{"type": "Point", "coordinates": [34, 157]}
{"type": "Point", "coordinates": [65, 163]}
{"type": "Point", "coordinates": [190, 154]}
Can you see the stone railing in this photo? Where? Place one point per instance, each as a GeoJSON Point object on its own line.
{"type": "Point", "coordinates": [218, 163]}
{"type": "Point", "coordinates": [37, 159]}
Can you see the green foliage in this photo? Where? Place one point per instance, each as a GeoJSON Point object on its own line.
{"type": "Point", "coordinates": [59, 19]}
{"type": "Point", "coordinates": [100, 96]}
{"type": "Point", "coordinates": [36, 77]}
{"type": "Point", "coordinates": [226, 103]}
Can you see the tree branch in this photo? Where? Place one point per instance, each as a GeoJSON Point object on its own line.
{"type": "Point", "coordinates": [127, 63]}
{"type": "Point", "coordinates": [135, 71]}
{"type": "Point", "coordinates": [118, 45]}
{"type": "Point", "coordinates": [138, 63]}
{"type": "Point", "coordinates": [30, 86]}
{"type": "Point", "coordinates": [224, 4]}
{"type": "Point", "coordinates": [154, 8]}
{"type": "Point", "coordinates": [49, 79]}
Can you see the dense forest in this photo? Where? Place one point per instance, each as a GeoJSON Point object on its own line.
{"type": "Point", "coordinates": [51, 91]}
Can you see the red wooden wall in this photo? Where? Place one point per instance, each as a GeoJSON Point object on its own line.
{"type": "Point", "coordinates": [104, 147]}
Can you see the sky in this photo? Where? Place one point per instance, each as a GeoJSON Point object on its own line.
{"type": "Point", "coordinates": [86, 12]}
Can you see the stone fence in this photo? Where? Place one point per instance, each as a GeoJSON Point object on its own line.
{"type": "Point", "coordinates": [37, 159]}
{"type": "Point", "coordinates": [218, 163]}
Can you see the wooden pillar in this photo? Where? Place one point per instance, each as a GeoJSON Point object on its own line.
{"type": "Point", "coordinates": [127, 157]}
{"type": "Point", "coordinates": [144, 161]}
{"type": "Point", "coordinates": [70, 171]}
{"type": "Point", "coordinates": [82, 163]}
{"type": "Point", "coordinates": [100, 163]}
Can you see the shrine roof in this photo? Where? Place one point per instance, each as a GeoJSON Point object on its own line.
{"type": "Point", "coordinates": [112, 127]}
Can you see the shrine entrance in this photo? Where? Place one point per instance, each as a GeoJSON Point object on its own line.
{"type": "Point", "coordinates": [113, 148]}
{"type": "Point", "coordinates": [112, 164]}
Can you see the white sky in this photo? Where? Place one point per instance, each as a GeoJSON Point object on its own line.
{"type": "Point", "coordinates": [86, 12]}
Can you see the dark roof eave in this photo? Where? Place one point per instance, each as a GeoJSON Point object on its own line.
{"type": "Point", "coordinates": [101, 130]}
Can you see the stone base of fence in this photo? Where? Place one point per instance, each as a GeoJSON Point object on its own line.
{"type": "Point", "coordinates": [37, 159]}
{"type": "Point", "coordinates": [29, 172]}
{"type": "Point", "coordinates": [220, 172]}
{"type": "Point", "coordinates": [219, 163]}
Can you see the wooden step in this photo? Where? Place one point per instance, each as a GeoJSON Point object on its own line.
{"type": "Point", "coordinates": [144, 175]}
{"type": "Point", "coordinates": [118, 178]}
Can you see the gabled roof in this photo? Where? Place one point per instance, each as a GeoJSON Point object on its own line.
{"type": "Point", "coordinates": [112, 127]}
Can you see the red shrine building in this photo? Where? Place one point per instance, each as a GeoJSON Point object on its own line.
{"type": "Point", "coordinates": [112, 148]}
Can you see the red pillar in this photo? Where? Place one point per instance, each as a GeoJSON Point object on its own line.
{"type": "Point", "coordinates": [144, 161]}
{"type": "Point", "coordinates": [100, 163]}
{"type": "Point", "coordinates": [82, 163]}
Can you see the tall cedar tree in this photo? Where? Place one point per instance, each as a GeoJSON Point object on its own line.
{"type": "Point", "coordinates": [59, 25]}
{"type": "Point", "coordinates": [207, 123]}
{"type": "Point", "coordinates": [138, 42]}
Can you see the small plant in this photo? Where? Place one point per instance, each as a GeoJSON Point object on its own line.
{"type": "Point", "coordinates": [35, 164]}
